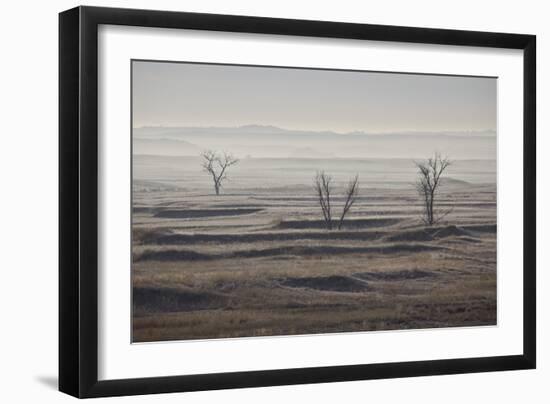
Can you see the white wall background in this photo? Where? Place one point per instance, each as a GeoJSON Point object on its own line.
{"type": "Point", "coordinates": [28, 199]}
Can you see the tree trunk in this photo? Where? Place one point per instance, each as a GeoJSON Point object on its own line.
{"type": "Point", "coordinates": [431, 210]}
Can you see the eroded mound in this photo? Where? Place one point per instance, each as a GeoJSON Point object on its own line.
{"type": "Point", "coordinates": [202, 213]}
{"type": "Point", "coordinates": [171, 300]}
{"type": "Point", "coordinates": [332, 283]}
{"type": "Point", "coordinates": [395, 275]}
{"type": "Point", "coordinates": [450, 231]}
{"type": "Point", "coordinates": [413, 235]}
{"type": "Point", "coordinates": [171, 255]}
{"type": "Point", "coordinates": [482, 228]}
{"type": "Point", "coordinates": [348, 224]}
{"type": "Point", "coordinates": [190, 255]}
{"type": "Point", "coordinates": [232, 238]}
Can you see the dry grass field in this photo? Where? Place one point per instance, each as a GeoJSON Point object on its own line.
{"type": "Point", "coordinates": [257, 260]}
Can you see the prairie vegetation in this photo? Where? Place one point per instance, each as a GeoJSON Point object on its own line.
{"type": "Point", "coordinates": [258, 260]}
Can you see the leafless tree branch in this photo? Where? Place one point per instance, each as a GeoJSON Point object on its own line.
{"type": "Point", "coordinates": [428, 184]}
{"type": "Point", "coordinates": [351, 195]}
{"type": "Point", "coordinates": [216, 165]}
{"type": "Point", "coordinates": [323, 188]}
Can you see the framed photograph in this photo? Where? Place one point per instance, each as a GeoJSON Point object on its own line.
{"type": "Point", "coordinates": [250, 201]}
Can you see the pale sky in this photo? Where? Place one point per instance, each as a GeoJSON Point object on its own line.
{"type": "Point", "coordinates": [185, 94]}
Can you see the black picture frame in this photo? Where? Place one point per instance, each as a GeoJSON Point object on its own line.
{"type": "Point", "coordinates": [78, 201]}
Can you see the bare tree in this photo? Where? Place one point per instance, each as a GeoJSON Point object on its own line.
{"type": "Point", "coordinates": [216, 165]}
{"type": "Point", "coordinates": [429, 181]}
{"type": "Point", "coordinates": [323, 187]}
{"type": "Point", "coordinates": [351, 195]}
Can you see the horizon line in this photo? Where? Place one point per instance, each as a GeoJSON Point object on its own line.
{"type": "Point", "coordinates": [357, 131]}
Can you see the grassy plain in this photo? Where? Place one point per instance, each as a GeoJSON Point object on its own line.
{"type": "Point", "coordinates": [256, 260]}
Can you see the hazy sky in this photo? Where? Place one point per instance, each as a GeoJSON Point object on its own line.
{"type": "Point", "coordinates": [184, 94]}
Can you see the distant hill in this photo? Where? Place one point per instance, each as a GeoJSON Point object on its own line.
{"type": "Point", "coordinates": [164, 147]}
{"type": "Point", "coordinates": [271, 141]}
